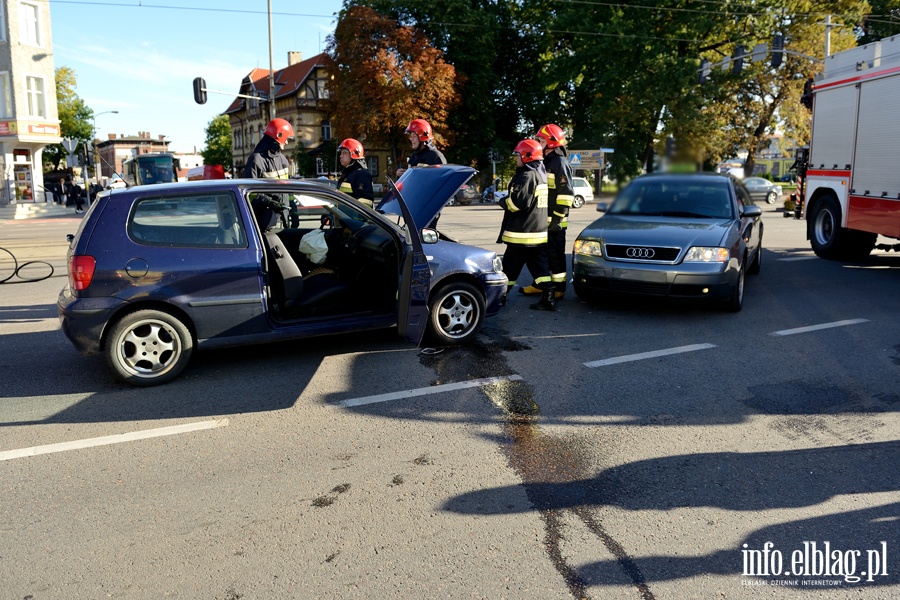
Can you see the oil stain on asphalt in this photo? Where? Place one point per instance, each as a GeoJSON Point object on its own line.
{"type": "Point", "coordinates": [555, 472]}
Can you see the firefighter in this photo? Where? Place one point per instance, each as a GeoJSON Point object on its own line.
{"type": "Point", "coordinates": [424, 152]}
{"type": "Point", "coordinates": [267, 161]}
{"type": "Point", "coordinates": [524, 228]}
{"type": "Point", "coordinates": [355, 178]}
{"type": "Point", "coordinates": [560, 195]}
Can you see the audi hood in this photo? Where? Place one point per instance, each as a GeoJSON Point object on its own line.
{"type": "Point", "coordinates": [639, 230]}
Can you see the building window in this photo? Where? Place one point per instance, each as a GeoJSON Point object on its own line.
{"type": "Point", "coordinates": [5, 104]}
{"type": "Point", "coordinates": [326, 130]}
{"type": "Point", "coordinates": [34, 88]}
{"type": "Point", "coordinates": [372, 166]}
{"type": "Point", "coordinates": [321, 89]}
{"type": "Point", "coordinates": [30, 24]}
{"type": "Point", "coordinates": [2, 23]}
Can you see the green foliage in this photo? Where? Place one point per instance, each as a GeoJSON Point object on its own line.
{"type": "Point", "coordinates": [218, 149]}
{"type": "Point", "coordinates": [620, 75]}
{"type": "Point", "coordinates": [74, 118]}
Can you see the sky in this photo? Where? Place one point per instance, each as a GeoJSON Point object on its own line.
{"type": "Point", "coordinates": [140, 57]}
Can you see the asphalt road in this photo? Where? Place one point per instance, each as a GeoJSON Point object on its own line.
{"type": "Point", "coordinates": [626, 450]}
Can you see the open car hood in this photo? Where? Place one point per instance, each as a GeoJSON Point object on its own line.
{"type": "Point", "coordinates": [425, 191]}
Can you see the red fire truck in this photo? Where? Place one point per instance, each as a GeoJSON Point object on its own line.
{"type": "Point", "coordinates": [852, 183]}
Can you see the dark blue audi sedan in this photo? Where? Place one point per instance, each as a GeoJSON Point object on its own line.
{"type": "Point", "coordinates": [156, 271]}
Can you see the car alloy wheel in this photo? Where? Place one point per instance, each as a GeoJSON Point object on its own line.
{"type": "Point", "coordinates": [770, 197]}
{"type": "Point", "coordinates": [456, 313]}
{"type": "Point", "coordinates": [578, 202]}
{"type": "Point", "coordinates": [149, 347]}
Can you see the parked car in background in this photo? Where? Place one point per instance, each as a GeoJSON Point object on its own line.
{"type": "Point", "coordinates": [684, 236]}
{"type": "Point", "coordinates": [157, 271]}
{"type": "Point", "coordinates": [763, 190]}
{"type": "Point", "coordinates": [583, 192]}
{"type": "Point", "coordinates": [466, 195]}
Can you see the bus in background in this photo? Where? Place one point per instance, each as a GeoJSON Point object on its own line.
{"type": "Point", "coordinates": [150, 168]}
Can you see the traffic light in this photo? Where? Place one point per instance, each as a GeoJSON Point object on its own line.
{"type": "Point", "coordinates": [200, 90]}
{"type": "Point", "coordinates": [704, 72]}
{"type": "Point", "coordinates": [777, 50]}
{"type": "Point", "coordinates": [737, 60]}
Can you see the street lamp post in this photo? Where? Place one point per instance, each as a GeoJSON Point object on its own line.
{"type": "Point", "coordinates": [94, 135]}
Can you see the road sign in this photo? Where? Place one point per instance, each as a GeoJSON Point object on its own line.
{"type": "Point", "coordinates": [69, 144]}
{"type": "Point", "coordinates": [575, 159]}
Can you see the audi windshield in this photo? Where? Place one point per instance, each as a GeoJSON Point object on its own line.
{"type": "Point", "coordinates": [662, 197]}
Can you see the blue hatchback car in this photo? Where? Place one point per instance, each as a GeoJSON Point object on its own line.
{"type": "Point", "coordinates": [157, 271]}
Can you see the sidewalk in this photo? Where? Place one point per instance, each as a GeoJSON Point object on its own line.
{"type": "Point", "coordinates": [31, 210]}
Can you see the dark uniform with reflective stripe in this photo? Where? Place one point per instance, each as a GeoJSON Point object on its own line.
{"type": "Point", "coordinates": [267, 161]}
{"type": "Point", "coordinates": [560, 195]}
{"type": "Point", "coordinates": [524, 228]}
{"type": "Point", "coordinates": [427, 154]}
{"type": "Point", "coordinates": [356, 181]}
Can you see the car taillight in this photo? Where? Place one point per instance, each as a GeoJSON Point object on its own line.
{"type": "Point", "coordinates": [81, 271]}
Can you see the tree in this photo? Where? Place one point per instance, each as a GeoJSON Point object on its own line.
{"type": "Point", "coordinates": [383, 76]}
{"type": "Point", "coordinates": [218, 149]}
{"type": "Point", "coordinates": [75, 117]}
{"type": "Point", "coordinates": [882, 22]}
{"type": "Point", "coordinates": [494, 62]}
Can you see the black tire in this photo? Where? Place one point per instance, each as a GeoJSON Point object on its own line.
{"type": "Point", "coordinates": [770, 197]}
{"type": "Point", "coordinates": [831, 241]}
{"type": "Point", "coordinates": [736, 301]}
{"type": "Point", "coordinates": [578, 202]}
{"type": "Point", "coordinates": [456, 313]}
{"type": "Point", "coordinates": [149, 347]}
{"type": "Point", "coordinates": [756, 265]}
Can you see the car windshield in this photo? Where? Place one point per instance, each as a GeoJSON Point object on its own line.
{"type": "Point", "coordinates": [690, 198]}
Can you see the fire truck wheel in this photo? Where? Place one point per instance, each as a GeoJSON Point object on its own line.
{"type": "Point", "coordinates": [831, 241]}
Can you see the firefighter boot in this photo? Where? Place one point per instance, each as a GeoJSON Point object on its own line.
{"type": "Point", "coordinates": [530, 290]}
{"type": "Point", "coordinates": [547, 301]}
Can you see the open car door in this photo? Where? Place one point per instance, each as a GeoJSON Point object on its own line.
{"type": "Point", "coordinates": [415, 280]}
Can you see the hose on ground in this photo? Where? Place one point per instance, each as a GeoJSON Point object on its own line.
{"type": "Point", "coordinates": [17, 269]}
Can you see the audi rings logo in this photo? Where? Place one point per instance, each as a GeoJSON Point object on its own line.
{"type": "Point", "coordinates": [635, 252]}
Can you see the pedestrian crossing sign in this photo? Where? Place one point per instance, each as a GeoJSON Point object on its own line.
{"type": "Point", "coordinates": [575, 159]}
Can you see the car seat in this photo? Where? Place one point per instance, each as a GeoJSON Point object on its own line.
{"type": "Point", "coordinates": [325, 294]}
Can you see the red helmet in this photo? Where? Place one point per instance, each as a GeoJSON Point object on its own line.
{"type": "Point", "coordinates": [553, 135]}
{"type": "Point", "coordinates": [421, 128]}
{"type": "Point", "coordinates": [529, 150]}
{"type": "Point", "coordinates": [353, 147]}
{"type": "Point", "coordinates": [280, 131]}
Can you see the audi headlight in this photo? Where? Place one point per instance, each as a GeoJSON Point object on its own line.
{"type": "Point", "coordinates": [498, 264]}
{"type": "Point", "coordinates": [706, 254]}
{"type": "Point", "coordinates": [588, 248]}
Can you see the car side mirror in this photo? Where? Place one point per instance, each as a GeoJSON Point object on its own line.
{"type": "Point", "coordinates": [602, 206]}
{"type": "Point", "coordinates": [430, 236]}
{"type": "Point", "coordinates": [751, 212]}
{"type": "Point", "coordinates": [69, 237]}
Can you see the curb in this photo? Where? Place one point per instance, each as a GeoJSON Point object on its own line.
{"type": "Point", "coordinates": [35, 211]}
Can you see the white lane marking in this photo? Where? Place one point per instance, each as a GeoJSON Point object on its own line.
{"type": "Point", "coordinates": [796, 258]}
{"type": "Point", "coordinates": [818, 327]}
{"type": "Point", "coordinates": [112, 439]}
{"type": "Point", "coordinates": [645, 355]}
{"type": "Point", "coordinates": [436, 389]}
